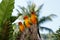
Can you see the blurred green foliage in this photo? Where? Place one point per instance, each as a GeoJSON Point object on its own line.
{"type": "Point", "coordinates": [6, 9]}
{"type": "Point", "coordinates": [57, 35]}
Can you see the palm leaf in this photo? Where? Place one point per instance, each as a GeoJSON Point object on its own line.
{"type": "Point", "coordinates": [44, 19]}
{"type": "Point", "coordinates": [45, 28]}
{"type": "Point", "coordinates": [19, 13]}
{"type": "Point", "coordinates": [6, 8]}
{"type": "Point", "coordinates": [13, 18]}
{"type": "Point", "coordinates": [24, 11]}
{"type": "Point", "coordinates": [38, 10]}
{"type": "Point", "coordinates": [31, 7]}
{"type": "Point", "coordinates": [22, 8]}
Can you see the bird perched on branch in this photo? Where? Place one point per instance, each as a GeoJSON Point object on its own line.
{"type": "Point", "coordinates": [21, 26]}
{"type": "Point", "coordinates": [34, 20]}
{"type": "Point", "coordinates": [33, 17]}
{"type": "Point", "coordinates": [27, 22]}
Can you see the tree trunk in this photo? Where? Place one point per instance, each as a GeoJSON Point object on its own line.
{"type": "Point", "coordinates": [34, 34]}
{"type": "Point", "coordinates": [5, 31]}
{"type": "Point", "coordinates": [30, 34]}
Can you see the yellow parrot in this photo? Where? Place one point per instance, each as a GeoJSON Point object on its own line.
{"type": "Point", "coordinates": [33, 18]}
{"type": "Point", "coordinates": [27, 21]}
{"type": "Point", "coordinates": [21, 26]}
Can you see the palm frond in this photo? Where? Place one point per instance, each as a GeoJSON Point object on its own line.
{"type": "Point", "coordinates": [22, 8]}
{"type": "Point", "coordinates": [6, 8]}
{"type": "Point", "coordinates": [45, 28]}
{"type": "Point", "coordinates": [44, 19]}
{"type": "Point", "coordinates": [19, 13]}
{"type": "Point", "coordinates": [17, 10]}
{"type": "Point", "coordinates": [31, 7]}
{"type": "Point", "coordinates": [52, 15]}
{"type": "Point", "coordinates": [40, 7]}
{"type": "Point", "coordinates": [13, 18]}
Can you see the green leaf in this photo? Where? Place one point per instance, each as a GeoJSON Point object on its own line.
{"type": "Point", "coordinates": [13, 18]}
{"type": "Point", "coordinates": [22, 8]}
{"type": "Point", "coordinates": [24, 11]}
{"type": "Point", "coordinates": [6, 8]}
{"type": "Point", "coordinates": [31, 7]}
{"type": "Point", "coordinates": [19, 13]}
{"type": "Point", "coordinates": [45, 28]}
{"type": "Point", "coordinates": [40, 7]}
{"type": "Point", "coordinates": [44, 19]}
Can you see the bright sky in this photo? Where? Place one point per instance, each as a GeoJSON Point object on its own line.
{"type": "Point", "coordinates": [50, 7]}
